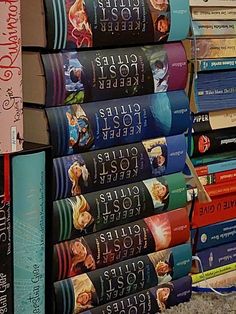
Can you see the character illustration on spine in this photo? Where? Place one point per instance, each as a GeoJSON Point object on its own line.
{"type": "Point", "coordinates": [163, 293]}
{"type": "Point", "coordinates": [159, 191]}
{"type": "Point", "coordinates": [81, 137]}
{"type": "Point", "coordinates": [164, 265]}
{"type": "Point", "coordinates": [81, 257]}
{"type": "Point", "coordinates": [82, 218]}
{"type": "Point", "coordinates": [78, 174]}
{"type": "Point", "coordinates": [157, 152]}
{"type": "Point", "coordinates": [81, 30]}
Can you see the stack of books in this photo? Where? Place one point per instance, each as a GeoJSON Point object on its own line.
{"type": "Point", "coordinates": [107, 91]}
{"type": "Point", "coordinates": [213, 64]}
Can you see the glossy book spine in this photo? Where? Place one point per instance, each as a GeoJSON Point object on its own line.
{"type": "Point", "coordinates": [77, 216]}
{"type": "Point", "coordinates": [86, 24]}
{"type": "Point", "coordinates": [92, 126]}
{"type": "Point", "coordinates": [150, 301]}
{"type": "Point", "coordinates": [29, 232]}
{"type": "Point", "coordinates": [97, 170]}
{"type": "Point", "coordinates": [11, 102]}
{"type": "Point", "coordinates": [122, 279]}
{"type": "Point", "coordinates": [100, 249]}
{"type": "Point", "coordinates": [95, 75]}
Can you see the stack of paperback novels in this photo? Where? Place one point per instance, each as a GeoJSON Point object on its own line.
{"type": "Point", "coordinates": [213, 58]}
{"type": "Point", "coordinates": [116, 119]}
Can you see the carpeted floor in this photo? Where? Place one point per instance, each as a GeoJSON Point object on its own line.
{"type": "Point", "coordinates": [208, 303]}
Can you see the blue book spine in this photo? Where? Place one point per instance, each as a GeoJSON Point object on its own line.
{"type": "Point", "coordinates": [98, 125]}
{"type": "Point", "coordinates": [217, 64]}
{"type": "Point", "coordinates": [217, 256]}
{"type": "Point", "coordinates": [29, 232]}
{"type": "Point", "coordinates": [213, 235]}
{"type": "Point", "coordinates": [101, 169]}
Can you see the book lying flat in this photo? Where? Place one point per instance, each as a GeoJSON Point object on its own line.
{"type": "Point", "coordinates": [213, 13]}
{"type": "Point", "coordinates": [122, 279]}
{"type": "Point", "coordinates": [77, 216]}
{"type": "Point", "coordinates": [214, 28]}
{"type": "Point", "coordinates": [106, 168]}
{"type": "Point", "coordinates": [68, 24]}
{"type": "Point", "coordinates": [95, 75]}
{"type": "Point", "coordinates": [91, 126]}
{"type": "Point", "coordinates": [213, 3]}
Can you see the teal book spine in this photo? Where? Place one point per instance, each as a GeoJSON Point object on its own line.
{"type": "Point", "coordinates": [28, 184]}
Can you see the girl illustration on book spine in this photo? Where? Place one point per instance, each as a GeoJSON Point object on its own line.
{"type": "Point", "coordinates": [78, 173]}
{"type": "Point", "coordinates": [162, 295]}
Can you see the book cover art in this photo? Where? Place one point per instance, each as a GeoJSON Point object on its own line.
{"type": "Point", "coordinates": [118, 121]}
{"type": "Point", "coordinates": [97, 75]}
{"type": "Point", "coordinates": [213, 235]}
{"type": "Point", "coordinates": [80, 215]}
{"type": "Point", "coordinates": [122, 279]}
{"type": "Point", "coordinates": [84, 23]}
{"type": "Point", "coordinates": [104, 248]}
{"type": "Point", "coordinates": [216, 257]}
{"type": "Point", "coordinates": [150, 301]}
{"type": "Point", "coordinates": [214, 28]}
{"type": "Point", "coordinates": [11, 102]}
{"type": "Point", "coordinates": [96, 170]}
{"type": "Point", "coordinates": [29, 232]}
{"type": "Point", "coordinates": [215, 141]}
{"type": "Point", "coordinates": [214, 120]}
{"type": "Point", "coordinates": [213, 13]}
{"type": "Point", "coordinates": [220, 209]}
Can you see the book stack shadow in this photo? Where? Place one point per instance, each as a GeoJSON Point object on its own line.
{"type": "Point", "coordinates": [213, 61]}
{"type": "Point", "coordinates": [104, 85]}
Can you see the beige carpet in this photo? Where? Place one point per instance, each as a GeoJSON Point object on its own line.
{"type": "Point", "coordinates": [206, 304]}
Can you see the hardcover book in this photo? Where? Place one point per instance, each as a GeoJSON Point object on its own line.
{"type": "Point", "coordinates": [210, 142]}
{"type": "Point", "coordinates": [214, 28]}
{"type": "Point", "coordinates": [150, 301]}
{"type": "Point", "coordinates": [69, 24]}
{"type": "Point", "coordinates": [104, 248]}
{"type": "Point", "coordinates": [213, 13]}
{"type": "Point", "coordinates": [220, 209]}
{"type": "Point", "coordinates": [11, 103]}
{"type": "Point", "coordinates": [97, 170]}
{"type": "Point", "coordinates": [95, 75]}
{"type": "Point", "coordinates": [77, 128]}
{"type": "Point", "coordinates": [77, 216]}
{"type": "Point", "coordinates": [213, 235]}
{"type": "Point", "coordinates": [216, 257]}
{"type": "Point", "coordinates": [122, 279]}
{"type": "Point", "coordinates": [214, 120]}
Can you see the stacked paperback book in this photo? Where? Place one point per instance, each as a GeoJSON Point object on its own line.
{"type": "Point", "coordinates": [213, 62]}
{"type": "Point", "coordinates": [104, 84]}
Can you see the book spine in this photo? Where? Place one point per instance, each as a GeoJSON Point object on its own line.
{"type": "Point", "coordinates": [218, 178]}
{"type": "Point", "coordinates": [213, 235]}
{"type": "Point", "coordinates": [118, 121]}
{"type": "Point", "coordinates": [217, 167]}
{"type": "Point", "coordinates": [74, 257]}
{"type": "Point", "coordinates": [216, 257]}
{"type": "Point", "coordinates": [215, 190]}
{"type": "Point", "coordinates": [220, 281]}
{"type": "Point", "coordinates": [214, 28]}
{"type": "Point", "coordinates": [212, 3]}
{"type": "Point", "coordinates": [97, 75]}
{"type": "Point", "coordinates": [216, 64]}
{"type": "Point", "coordinates": [218, 210]}
{"type": "Point", "coordinates": [6, 265]}
{"type": "Point", "coordinates": [97, 170]}
{"type": "Point", "coordinates": [147, 301]}
{"type": "Point", "coordinates": [213, 273]}
{"type": "Point", "coordinates": [213, 13]}
{"type": "Point", "coordinates": [77, 216]}
{"type": "Point", "coordinates": [11, 103]}
{"type": "Point", "coordinates": [213, 141]}
{"type": "Point", "coordinates": [209, 121]}
{"type": "Point", "coordinates": [213, 48]}
{"type": "Point", "coordinates": [102, 24]}
{"type": "Point", "coordinates": [29, 232]}
{"type": "Point", "coordinates": [122, 279]}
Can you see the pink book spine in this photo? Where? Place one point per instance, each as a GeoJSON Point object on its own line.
{"type": "Point", "coordinates": [11, 103]}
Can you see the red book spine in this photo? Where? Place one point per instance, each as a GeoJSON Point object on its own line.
{"type": "Point", "coordinates": [221, 188]}
{"type": "Point", "coordinates": [218, 210]}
